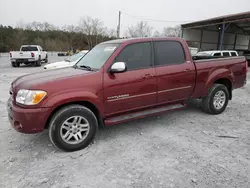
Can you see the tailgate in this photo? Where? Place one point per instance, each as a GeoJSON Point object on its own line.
{"type": "Point", "coordinates": [21, 55]}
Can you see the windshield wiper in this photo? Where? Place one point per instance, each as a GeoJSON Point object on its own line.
{"type": "Point", "coordinates": [86, 67]}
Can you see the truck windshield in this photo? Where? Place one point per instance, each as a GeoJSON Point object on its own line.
{"type": "Point", "coordinates": [97, 57]}
{"type": "Point", "coordinates": [29, 48]}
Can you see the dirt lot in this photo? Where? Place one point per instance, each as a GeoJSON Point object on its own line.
{"type": "Point", "coordinates": [177, 149]}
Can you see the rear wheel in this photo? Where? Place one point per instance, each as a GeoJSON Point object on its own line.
{"type": "Point", "coordinates": [13, 64]}
{"type": "Point", "coordinates": [38, 63]}
{"type": "Point", "coordinates": [217, 99]}
{"type": "Point", "coordinates": [73, 128]}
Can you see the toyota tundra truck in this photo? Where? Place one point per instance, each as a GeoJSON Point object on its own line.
{"type": "Point", "coordinates": [118, 81]}
{"type": "Point", "coordinates": [28, 54]}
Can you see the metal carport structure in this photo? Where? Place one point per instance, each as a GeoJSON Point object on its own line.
{"type": "Point", "coordinates": [224, 32]}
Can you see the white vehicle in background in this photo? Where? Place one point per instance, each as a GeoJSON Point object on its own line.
{"type": "Point", "coordinates": [68, 62]}
{"type": "Point", "coordinates": [28, 54]}
{"type": "Point", "coordinates": [217, 53]}
{"type": "Point", "coordinates": [193, 50]}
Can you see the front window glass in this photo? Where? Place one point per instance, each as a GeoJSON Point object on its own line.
{"type": "Point", "coordinates": [98, 56]}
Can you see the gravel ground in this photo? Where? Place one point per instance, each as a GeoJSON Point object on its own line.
{"type": "Point", "coordinates": [176, 149]}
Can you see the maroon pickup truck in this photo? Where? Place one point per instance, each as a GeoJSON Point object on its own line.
{"type": "Point", "coordinates": [117, 81]}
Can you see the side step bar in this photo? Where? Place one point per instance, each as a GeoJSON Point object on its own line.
{"type": "Point", "coordinates": [142, 114]}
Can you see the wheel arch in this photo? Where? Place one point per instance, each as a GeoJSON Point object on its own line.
{"type": "Point", "coordinates": [85, 103]}
{"type": "Point", "coordinates": [221, 76]}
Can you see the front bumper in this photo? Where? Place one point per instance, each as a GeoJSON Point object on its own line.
{"type": "Point", "coordinates": [27, 120]}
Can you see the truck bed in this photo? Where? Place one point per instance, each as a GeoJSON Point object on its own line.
{"type": "Point", "coordinates": [207, 68]}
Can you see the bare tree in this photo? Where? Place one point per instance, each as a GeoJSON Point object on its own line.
{"type": "Point", "coordinates": [92, 28]}
{"type": "Point", "coordinates": [157, 34]}
{"type": "Point", "coordinates": [172, 31]}
{"type": "Point", "coordinates": [141, 29]}
{"type": "Point", "coordinates": [109, 32]}
{"type": "Point", "coordinates": [69, 28]}
{"type": "Point", "coordinates": [20, 25]}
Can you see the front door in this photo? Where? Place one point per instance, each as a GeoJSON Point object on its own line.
{"type": "Point", "coordinates": [175, 75]}
{"type": "Point", "coordinates": [135, 88]}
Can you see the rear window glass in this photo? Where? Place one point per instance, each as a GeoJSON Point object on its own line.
{"type": "Point", "coordinates": [233, 54]}
{"type": "Point", "coordinates": [226, 54]}
{"type": "Point", "coordinates": [217, 54]}
{"type": "Point", "coordinates": [169, 53]}
{"type": "Point", "coordinates": [29, 48]}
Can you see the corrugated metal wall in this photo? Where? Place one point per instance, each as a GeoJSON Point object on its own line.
{"type": "Point", "coordinates": [211, 39]}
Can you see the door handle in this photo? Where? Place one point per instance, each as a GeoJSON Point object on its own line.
{"type": "Point", "coordinates": [148, 76]}
{"type": "Point", "coordinates": [187, 70]}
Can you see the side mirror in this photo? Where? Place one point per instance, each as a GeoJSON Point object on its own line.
{"type": "Point", "coordinates": [118, 67]}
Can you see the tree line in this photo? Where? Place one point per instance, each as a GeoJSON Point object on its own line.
{"type": "Point", "coordinates": [89, 32]}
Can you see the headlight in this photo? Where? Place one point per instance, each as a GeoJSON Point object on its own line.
{"type": "Point", "coordinates": [30, 97]}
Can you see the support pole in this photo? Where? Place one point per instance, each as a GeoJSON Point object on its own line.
{"type": "Point", "coordinates": [201, 40]}
{"type": "Point", "coordinates": [222, 36]}
{"type": "Point", "coordinates": [182, 30]}
{"type": "Point", "coordinates": [249, 44]}
{"type": "Point", "coordinates": [235, 40]}
{"type": "Point", "coordinates": [119, 25]}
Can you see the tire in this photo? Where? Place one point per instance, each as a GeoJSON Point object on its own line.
{"type": "Point", "coordinates": [38, 63]}
{"type": "Point", "coordinates": [46, 59]}
{"type": "Point", "coordinates": [209, 104]}
{"type": "Point", "coordinates": [13, 64]}
{"type": "Point", "coordinates": [69, 114]}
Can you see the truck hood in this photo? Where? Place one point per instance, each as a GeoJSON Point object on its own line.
{"type": "Point", "coordinates": [31, 81]}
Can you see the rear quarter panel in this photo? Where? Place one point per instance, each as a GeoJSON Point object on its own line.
{"type": "Point", "coordinates": [209, 71]}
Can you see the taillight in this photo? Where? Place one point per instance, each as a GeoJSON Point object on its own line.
{"type": "Point", "coordinates": [32, 54]}
{"type": "Point", "coordinates": [10, 54]}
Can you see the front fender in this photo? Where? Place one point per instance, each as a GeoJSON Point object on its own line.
{"type": "Point", "coordinates": [217, 74]}
{"type": "Point", "coordinates": [66, 97]}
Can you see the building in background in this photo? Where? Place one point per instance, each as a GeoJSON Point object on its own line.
{"type": "Point", "coordinates": [230, 32]}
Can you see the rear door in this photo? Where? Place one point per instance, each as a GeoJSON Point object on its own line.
{"type": "Point", "coordinates": [175, 75]}
{"type": "Point", "coordinates": [135, 88]}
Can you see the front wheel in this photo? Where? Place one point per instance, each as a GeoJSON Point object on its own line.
{"type": "Point", "coordinates": [217, 99]}
{"type": "Point", "coordinates": [46, 59]}
{"type": "Point", "coordinates": [73, 128]}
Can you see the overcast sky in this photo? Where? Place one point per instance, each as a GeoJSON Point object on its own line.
{"type": "Point", "coordinates": [61, 12]}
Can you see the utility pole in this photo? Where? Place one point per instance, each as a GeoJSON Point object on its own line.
{"type": "Point", "coordinates": [119, 25]}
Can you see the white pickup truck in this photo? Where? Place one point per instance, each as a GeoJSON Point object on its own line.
{"type": "Point", "coordinates": [28, 54]}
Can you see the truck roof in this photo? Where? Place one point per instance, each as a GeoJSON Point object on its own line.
{"type": "Point", "coordinates": [32, 45]}
{"type": "Point", "coordinates": [217, 51]}
{"type": "Point", "coordinates": [140, 39]}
